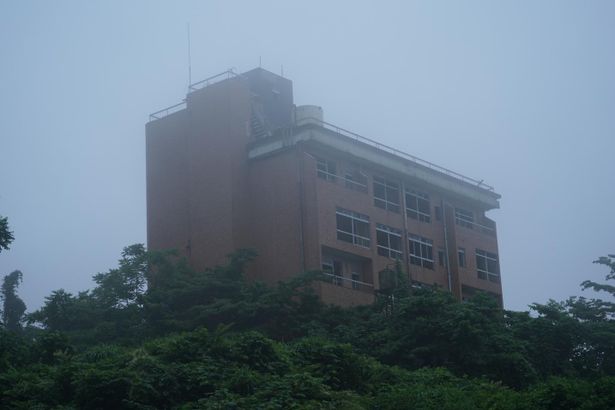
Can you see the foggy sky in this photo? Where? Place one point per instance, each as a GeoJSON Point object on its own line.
{"type": "Point", "coordinates": [520, 94]}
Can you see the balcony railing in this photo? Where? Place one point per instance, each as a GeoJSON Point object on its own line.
{"type": "Point", "coordinates": [489, 230]}
{"type": "Point", "coordinates": [347, 282]}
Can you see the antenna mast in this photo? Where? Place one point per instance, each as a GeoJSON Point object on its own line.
{"type": "Point", "coordinates": [189, 59]}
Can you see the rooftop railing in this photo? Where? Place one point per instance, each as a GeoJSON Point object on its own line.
{"type": "Point", "coordinates": [167, 111]}
{"type": "Point", "coordinates": [230, 73]}
{"type": "Point", "coordinates": [225, 75]}
{"type": "Point", "coordinates": [394, 151]}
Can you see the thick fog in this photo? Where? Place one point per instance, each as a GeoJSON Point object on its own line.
{"type": "Point", "coordinates": [520, 94]}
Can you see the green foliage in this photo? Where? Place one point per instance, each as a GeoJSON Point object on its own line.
{"type": "Point", "coordinates": [14, 350]}
{"type": "Point", "coordinates": [6, 236]}
{"type": "Point", "coordinates": [601, 308]}
{"type": "Point", "coordinates": [154, 333]}
{"type": "Point", "coordinates": [50, 347]}
{"type": "Point", "coordinates": [13, 308]}
{"type": "Point", "coordinates": [124, 286]}
{"type": "Point", "coordinates": [336, 364]}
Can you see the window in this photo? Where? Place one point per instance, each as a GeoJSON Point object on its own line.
{"type": "Point", "coordinates": [417, 206]}
{"type": "Point", "coordinates": [352, 227]}
{"type": "Point", "coordinates": [464, 218]}
{"type": "Point", "coordinates": [441, 257]}
{"type": "Point", "coordinates": [333, 269]}
{"type": "Point", "coordinates": [326, 169]}
{"type": "Point", "coordinates": [356, 278]}
{"type": "Point", "coordinates": [386, 194]}
{"type": "Point", "coordinates": [487, 266]}
{"type": "Point", "coordinates": [487, 226]}
{"type": "Point", "coordinates": [389, 241]}
{"type": "Point", "coordinates": [461, 252]}
{"type": "Point", "coordinates": [355, 179]}
{"type": "Point", "coordinates": [421, 251]}
{"type": "Point", "coordinates": [438, 212]}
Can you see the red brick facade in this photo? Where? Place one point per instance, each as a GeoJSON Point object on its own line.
{"type": "Point", "coordinates": [232, 170]}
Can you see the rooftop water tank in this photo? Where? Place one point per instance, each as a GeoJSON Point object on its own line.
{"type": "Point", "coordinates": [308, 114]}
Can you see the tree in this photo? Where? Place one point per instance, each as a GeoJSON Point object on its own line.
{"type": "Point", "coordinates": [122, 287]}
{"type": "Point", "coordinates": [603, 308]}
{"type": "Point", "coordinates": [13, 307]}
{"type": "Point", "coordinates": [6, 236]}
{"type": "Point", "coordinates": [60, 312]}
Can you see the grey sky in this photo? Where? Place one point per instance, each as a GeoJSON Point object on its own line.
{"type": "Point", "coordinates": [520, 94]}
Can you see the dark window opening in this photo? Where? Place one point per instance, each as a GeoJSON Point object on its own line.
{"type": "Point", "coordinates": [421, 251]}
{"type": "Point", "coordinates": [386, 194]}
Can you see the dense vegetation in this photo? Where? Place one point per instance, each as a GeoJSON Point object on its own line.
{"type": "Point", "coordinates": [210, 339]}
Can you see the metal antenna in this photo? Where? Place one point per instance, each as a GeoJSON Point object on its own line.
{"type": "Point", "coordinates": [282, 70]}
{"type": "Point", "coordinates": [260, 62]}
{"type": "Point", "coordinates": [189, 59]}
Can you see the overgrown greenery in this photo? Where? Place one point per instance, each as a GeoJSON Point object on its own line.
{"type": "Point", "coordinates": [200, 340]}
{"type": "Point", "coordinates": [6, 235]}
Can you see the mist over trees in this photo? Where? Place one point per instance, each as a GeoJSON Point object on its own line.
{"type": "Point", "coordinates": [210, 339]}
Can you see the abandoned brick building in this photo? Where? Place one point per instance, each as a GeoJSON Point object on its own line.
{"type": "Point", "coordinates": [238, 165]}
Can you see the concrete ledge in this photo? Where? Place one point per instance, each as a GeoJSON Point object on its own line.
{"type": "Point", "coordinates": [360, 150]}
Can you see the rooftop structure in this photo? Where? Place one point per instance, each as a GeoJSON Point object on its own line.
{"type": "Point", "coordinates": [238, 165]}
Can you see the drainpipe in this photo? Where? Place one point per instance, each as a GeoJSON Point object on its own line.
{"type": "Point", "coordinates": [300, 183]}
{"type": "Point", "coordinates": [405, 239]}
{"type": "Point", "coordinates": [448, 265]}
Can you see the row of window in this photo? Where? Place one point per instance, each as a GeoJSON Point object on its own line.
{"type": "Point", "coordinates": [387, 196]}
{"type": "Point", "coordinates": [353, 227]}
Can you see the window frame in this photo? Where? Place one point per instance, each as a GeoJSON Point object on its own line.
{"type": "Point", "coordinates": [425, 245]}
{"type": "Point", "coordinates": [462, 260]}
{"type": "Point", "coordinates": [437, 210]}
{"type": "Point", "coordinates": [355, 219]}
{"type": "Point", "coordinates": [355, 279]}
{"type": "Point", "coordinates": [351, 182]}
{"type": "Point", "coordinates": [465, 218]}
{"type": "Point", "coordinates": [486, 273]}
{"type": "Point", "coordinates": [326, 169]}
{"type": "Point", "coordinates": [442, 257]}
{"type": "Point", "coordinates": [387, 249]}
{"type": "Point", "coordinates": [385, 202]}
{"type": "Point", "coordinates": [415, 198]}
{"type": "Point", "coordinates": [328, 268]}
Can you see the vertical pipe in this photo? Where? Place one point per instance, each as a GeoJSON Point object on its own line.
{"type": "Point", "coordinates": [189, 59]}
{"type": "Point", "coordinates": [446, 260]}
{"type": "Point", "coordinates": [405, 238]}
{"type": "Point", "coordinates": [300, 183]}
